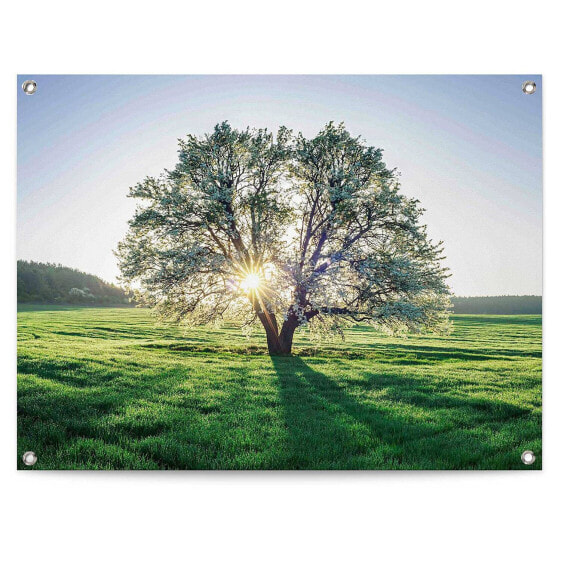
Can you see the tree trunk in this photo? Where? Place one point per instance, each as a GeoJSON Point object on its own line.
{"type": "Point", "coordinates": [278, 344]}
{"type": "Point", "coordinates": [274, 344]}
{"type": "Point", "coordinates": [287, 335]}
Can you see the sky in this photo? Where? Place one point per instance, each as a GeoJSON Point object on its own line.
{"type": "Point", "coordinates": [468, 147]}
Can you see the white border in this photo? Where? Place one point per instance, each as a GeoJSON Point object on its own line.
{"type": "Point", "coordinates": [485, 515]}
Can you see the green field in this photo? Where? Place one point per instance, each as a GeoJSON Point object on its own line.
{"type": "Point", "coordinates": [112, 389]}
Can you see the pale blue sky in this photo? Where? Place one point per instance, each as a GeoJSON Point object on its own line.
{"type": "Point", "coordinates": [469, 147]}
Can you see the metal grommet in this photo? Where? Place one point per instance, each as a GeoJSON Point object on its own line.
{"type": "Point", "coordinates": [29, 458]}
{"type": "Point", "coordinates": [528, 457]}
{"type": "Point", "coordinates": [29, 87]}
{"type": "Point", "coordinates": [529, 87]}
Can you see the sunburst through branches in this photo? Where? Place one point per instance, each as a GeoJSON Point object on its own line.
{"type": "Point", "coordinates": [250, 282]}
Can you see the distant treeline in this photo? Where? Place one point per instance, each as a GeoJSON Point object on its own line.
{"type": "Point", "coordinates": [497, 304]}
{"type": "Point", "coordinates": [47, 283]}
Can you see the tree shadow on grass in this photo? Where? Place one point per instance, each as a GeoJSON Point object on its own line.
{"type": "Point", "coordinates": [170, 419]}
{"type": "Point", "coordinates": [412, 427]}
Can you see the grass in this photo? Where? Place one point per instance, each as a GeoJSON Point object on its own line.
{"type": "Point", "coordinates": [103, 388]}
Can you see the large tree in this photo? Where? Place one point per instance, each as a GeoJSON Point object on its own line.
{"type": "Point", "coordinates": [285, 231]}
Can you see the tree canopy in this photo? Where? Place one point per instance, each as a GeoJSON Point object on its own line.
{"type": "Point", "coordinates": [285, 231]}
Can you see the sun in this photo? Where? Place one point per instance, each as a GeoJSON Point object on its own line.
{"type": "Point", "coordinates": [250, 282]}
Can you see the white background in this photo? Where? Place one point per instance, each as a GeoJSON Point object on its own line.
{"type": "Point", "coordinates": [433, 515]}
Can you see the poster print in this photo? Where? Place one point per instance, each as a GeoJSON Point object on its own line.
{"type": "Point", "coordinates": [279, 272]}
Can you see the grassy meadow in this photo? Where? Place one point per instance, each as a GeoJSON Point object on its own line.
{"type": "Point", "coordinates": [110, 388]}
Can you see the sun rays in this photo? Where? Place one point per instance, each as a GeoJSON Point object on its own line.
{"type": "Point", "coordinates": [250, 282]}
{"type": "Point", "coordinates": [253, 280]}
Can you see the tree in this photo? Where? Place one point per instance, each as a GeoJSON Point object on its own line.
{"type": "Point", "coordinates": [285, 231]}
{"type": "Point", "coordinates": [81, 295]}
